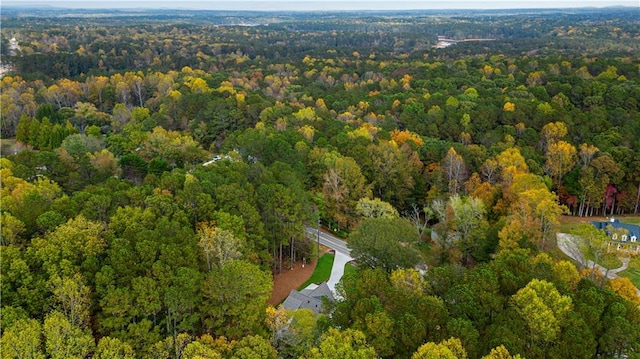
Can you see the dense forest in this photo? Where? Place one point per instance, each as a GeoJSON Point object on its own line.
{"type": "Point", "coordinates": [158, 169]}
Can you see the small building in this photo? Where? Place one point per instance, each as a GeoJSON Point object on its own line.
{"type": "Point", "coordinates": [624, 234]}
{"type": "Point", "coordinates": [632, 229]}
{"type": "Point", "coordinates": [309, 298]}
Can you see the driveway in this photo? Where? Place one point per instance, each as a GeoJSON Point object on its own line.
{"type": "Point", "coordinates": [342, 255]}
{"type": "Point", "coordinates": [569, 247]}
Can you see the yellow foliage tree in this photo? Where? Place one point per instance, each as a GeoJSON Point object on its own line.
{"type": "Point", "coordinates": [501, 352]}
{"type": "Point", "coordinates": [307, 131]}
{"type": "Point", "coordinates": [553, 132]}
{"type": "Point", "coordinates": [449, 349]}
{"type": "Point", "coordinates": [509, 107]}
{"type": "Point", "coordinates": [624, 288]}
{"type": "Point", "coordinates": [400, 137]}
{"type": "Point", "coordinates": [561, 157]}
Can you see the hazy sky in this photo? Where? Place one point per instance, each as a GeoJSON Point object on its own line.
{"type": "Point", "coordinates": [326, 4]}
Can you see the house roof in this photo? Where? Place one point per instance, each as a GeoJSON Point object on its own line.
{"type": "Point", "coordinates": [634, 230]}
{"type": "Point", "coordinates": [309, 298]}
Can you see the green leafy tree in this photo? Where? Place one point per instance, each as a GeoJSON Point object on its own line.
{"type": "Point", "coordinates": [391, 172]}
{"type": "Point", "coordinates": [79, 145]}
{"type": "Point", "coordinates": [544, 310]}
{"type": "Point", "coordinates": [500, 352]}
{"type": "Point", "coordinates": [11, 229]}
{"type": "Point", "coordinates": [23, 129]}
{"type": "Point", "coordinates": [346, 344]}
{"type": "Point", "coordinates": [111, 348]}
{"type": "Point", "coordinates": [588, 245]}
{"type": "Point", "coordinates": [469, 216]}
{"type": "Point", "coordinates": [385, 243]}
{"type": "Point", "coordinates": [72, 298]}
{"type": "Point", "coordinates": [235, 299]}
{"type": "Point", "coordinates": [219, 245]}
{"type": "Point", "coordinates": [72, 247]}
{"type": "Point", "coordinates": [254, 347]}
{"type": "Point", "coordinates": [201, 348]}
{"type": "Point", "coordinates": [171, 347]}
{"type": "Point", "coordinates": [22, 286]}
{"type": "Point", "coordinates": [295, 332]}
{"type": "Point", "coordinates": [448, 349]}
{"type": "Point", "coordinates": [181, 301]}
{"type": "Point", "coordinates": [343, 186]}
{"type": "Point", "coordinates": [22, 339]}
{"type": "Point", "coordinates": [375, 208]}
{"type": "Point", "coordinates": [63, 340]}
{"type": "Point", "coordinates": [49, 221]}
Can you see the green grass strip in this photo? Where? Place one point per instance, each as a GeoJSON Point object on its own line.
{"type": "Point", "coordinates": [633, 272]}
{"type": "Point", "coordinates": [322, 271]}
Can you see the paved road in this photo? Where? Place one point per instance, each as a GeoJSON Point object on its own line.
{"type": "Point", "coordinates": [342, 256]}
{"type": "Point", "coordinates": [328, 240]}
{"type": "Point", "coordinates": [568, 247]}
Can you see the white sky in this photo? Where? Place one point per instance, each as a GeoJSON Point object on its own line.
{"type": "Point", "coordinates": [326, 4]}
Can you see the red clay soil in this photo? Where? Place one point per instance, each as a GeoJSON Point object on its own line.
{"type": "Point", "coordinates": [284, 282]}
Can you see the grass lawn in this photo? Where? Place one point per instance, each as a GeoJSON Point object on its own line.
{"type": "Point", "coordinates": [350, 269]}
{"type": "Point", "coordinates": [610, 261]}
{"type": "Point", "coordinates": [567, 223]}
{"type": "Point", "coordinates": [322, 271]}
{"type": "Point", "coordinates": [631, 220]}
{"type": "Point", "coordinates": [633, 272]}
{"type": "Point", "coordinates": [566, 227]}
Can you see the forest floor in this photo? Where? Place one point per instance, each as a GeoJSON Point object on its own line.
{"type": "Point", "coordinates": [291, 279]}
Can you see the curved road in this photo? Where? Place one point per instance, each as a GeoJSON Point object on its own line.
{"type": "Point", "coordinates": [569, 247]}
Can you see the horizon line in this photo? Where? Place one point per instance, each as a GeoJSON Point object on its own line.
{"type": "Point", "coordinates": [306, 6]}
{"type": "Point", "coordinates": [311, 9]}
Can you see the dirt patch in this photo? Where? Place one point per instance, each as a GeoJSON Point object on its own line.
{"type": "Point", "coordinates": [291, 279]}
{"type": "Point", "coordinates": [284, 282]}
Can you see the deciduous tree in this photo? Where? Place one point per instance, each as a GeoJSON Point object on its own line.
{"type": "Point", "coordinates": [455, 170]}
{"type": "Point", "coordinates": [346, 344]}
{"type": "Point", "coordinates": [23, 339]}
{"type": "Point", "coordinates": [235, 299]}
{"type": "Point", "coordinates": [376, 208]}
{"type": "Point", "coordinates": [543, 309]}
{"type": "Point", "coordinates": [63, 340]}
{"type": "Point", "coordinates": [219, 245]}
{"type": "Point", "coordinates": [385, 243]}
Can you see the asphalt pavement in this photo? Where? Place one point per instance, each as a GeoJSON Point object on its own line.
{"type": "Point", "coordinates": [342, 255]}
{"type": "Point", "coordinates": [329, 241]}
{"type": "Point", "coordinates": [569, 247]}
